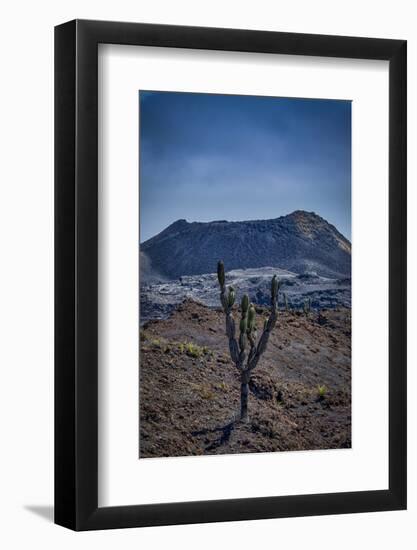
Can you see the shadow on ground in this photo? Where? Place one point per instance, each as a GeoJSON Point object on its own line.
{"type": "Point", "coordinates": [45, 512]}
{"type": "Point", "coordinates": [224, 435]}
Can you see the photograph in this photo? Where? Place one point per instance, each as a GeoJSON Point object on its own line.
{"type": "Point", "coordinates": [245, 274]}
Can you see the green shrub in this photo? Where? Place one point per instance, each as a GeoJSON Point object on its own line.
{"type": "Point", "coordinates": [321, 392]}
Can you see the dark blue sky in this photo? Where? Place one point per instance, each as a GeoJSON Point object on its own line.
{"type": "Point", "coordinates": [207, 157]}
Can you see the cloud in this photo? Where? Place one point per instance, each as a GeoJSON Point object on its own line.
{"type": "Point", "coordinates": [206, 156]}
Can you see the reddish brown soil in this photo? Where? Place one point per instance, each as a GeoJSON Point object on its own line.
{"type": "Point", "coordinates": [189, 395]}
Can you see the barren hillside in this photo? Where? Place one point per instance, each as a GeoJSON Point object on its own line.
{"type": "Point", "coordinates": [190, 390]}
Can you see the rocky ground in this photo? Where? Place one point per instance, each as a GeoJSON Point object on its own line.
{"type": "Point", "coordinates": [300, 393]}
{"type": "Point", "coordinates": [159, 299]}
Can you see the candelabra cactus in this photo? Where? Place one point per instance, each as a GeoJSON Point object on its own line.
{"type": "Point", "coordinates": [247, 349]}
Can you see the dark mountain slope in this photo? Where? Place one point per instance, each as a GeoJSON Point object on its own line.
{"type": "Point", "coordinates": [300, 242]}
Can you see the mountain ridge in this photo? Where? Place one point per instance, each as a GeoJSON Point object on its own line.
{"type": "Point", "coordinates": [300, 242]}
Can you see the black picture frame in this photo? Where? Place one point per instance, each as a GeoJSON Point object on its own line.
{"type": "Point", "coordinates": [76, 272]}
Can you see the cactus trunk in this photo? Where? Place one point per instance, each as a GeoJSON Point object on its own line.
{"type": "Point", "coordinates": [244, 394]}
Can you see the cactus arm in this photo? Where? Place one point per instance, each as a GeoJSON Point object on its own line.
{"type": "Point", "coordinates": [252, 352]}
{"type": "Point", "coordinates": [263, 341]}
{"type": "Point", "coordinates": [223, 298]}
{"type": "Point", "coordinates": [251, 332]}
{"type": "Point", "coordinates": [242, 346]}
{"type": "Point", "coordinates": [230, 332]}
{"type": "Point", "coordinates": [227, 305]}
{"type": "Point", "coordinates": [231, 335]}
{"type": "Point", "coordinates": [268, 327]}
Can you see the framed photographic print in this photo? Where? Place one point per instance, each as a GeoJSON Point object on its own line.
{"type": "Point", "coordinates": [230, 254]}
